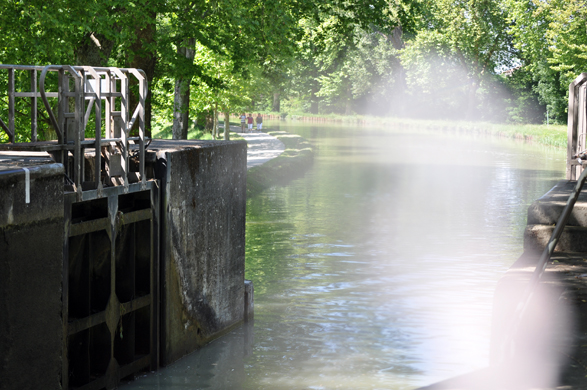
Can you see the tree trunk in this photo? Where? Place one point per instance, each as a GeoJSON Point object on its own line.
{"type": "Point", "coordinates": [400, 85]}
{"type": "Point", "coordinates": [215, 125]}
{"type": "Point", "coordinates": [142, 55]}
{"type": "Point", "coordinates": [181, 96]}
{"type": "Point", "coordinates": [276, 102]}
{"type": "Point", "coordinates": [396, 38]}
{"type": "Point", "coordinates": [314, 101]}
{"type": "Point", "coordinates": [226, 124]}
{"type": "Point", "coordinates": [471, 100]}
{"type": "Point", "coordinates": [94, 50]}
{"type": "Point", "coordinates": [349, 99]}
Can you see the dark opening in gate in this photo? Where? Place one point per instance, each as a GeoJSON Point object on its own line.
{"type": "Point", "coordinates": [111, 292]}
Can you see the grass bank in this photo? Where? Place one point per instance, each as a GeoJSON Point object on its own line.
{"type": "Point", "coordinates": [164, 131]}
{"type": "Point", "coordinates": [292, 163]}
{"type": "Point", "coordinates": [553, 135]}
{"type": "Point", "coordinates": [160, 131]}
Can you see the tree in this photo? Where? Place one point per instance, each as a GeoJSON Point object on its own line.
{"type": "Point", "coordinates": [468, 41]}
{"type": "Point", "coordinates": [550, 36]}
{"type": "Point", "coordinates": [349, 54]}
{"type": "Point", "coordinates": [181, 97]}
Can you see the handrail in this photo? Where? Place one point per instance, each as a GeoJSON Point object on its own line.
{"type": "Point", "coordinates": [99, 69]}
{"type": "Point", "coordinates": [52, 118]}
{"type": "Point", "coordinates": [577, 117]}
{"type": "Point", "coordinates": [70, 127]}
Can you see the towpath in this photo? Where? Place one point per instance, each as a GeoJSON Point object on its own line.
{"type": "Point", "coordinates": [262, 147]}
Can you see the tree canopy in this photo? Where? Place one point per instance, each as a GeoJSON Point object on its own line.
{"type": "Point", "coordinates": [496, 60]}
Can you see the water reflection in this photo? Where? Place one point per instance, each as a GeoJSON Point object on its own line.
{"type": "Point", "coordinates": [218, 366]}
{"type": "Point", "coordinates": [377, 268]}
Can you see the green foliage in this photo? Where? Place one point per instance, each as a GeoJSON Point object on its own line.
{"type": "Point", "coordinates": [550, 38]}
{"type": "Point", "coordinates": [522, 105]}
{"type": "Point", "coordinates": [163, 131]}
{"type": "Point", "coordinates": [412, 58]}
{"type": "Point", "coordinates": [441, 59]}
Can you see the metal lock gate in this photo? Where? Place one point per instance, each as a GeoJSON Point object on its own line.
{"type": "Point", "coordinates": [110, 287]}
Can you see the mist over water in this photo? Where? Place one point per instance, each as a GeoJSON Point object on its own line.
{"type": "Point", "coordinates": [377, 268]}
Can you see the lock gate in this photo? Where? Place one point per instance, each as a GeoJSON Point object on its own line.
{"type": "Point", "coordinates": [110, 276]}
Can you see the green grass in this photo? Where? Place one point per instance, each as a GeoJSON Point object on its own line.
{"type": "Point", "coordinates": [164, 131]}
{"type": "Point", "coordinates": [553, 135]}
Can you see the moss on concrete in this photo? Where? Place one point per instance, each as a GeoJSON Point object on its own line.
{"type": "Point", "coordinates": [293, 162]}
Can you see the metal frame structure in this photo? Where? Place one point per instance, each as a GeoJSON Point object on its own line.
{"type": "Point", "coordinates": [110, 273]}
{"type": "Point", "coordinates": [101, 88]}
{"type": "Point", "coordinates": [110, 289]}
{"type": "Point", "coordinates": [577, 126]}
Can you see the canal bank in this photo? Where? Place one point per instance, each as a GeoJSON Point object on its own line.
{"type": "Point", "coordinates": [274, 157]}
{"type": "Point", "coordinates": [553, 134]}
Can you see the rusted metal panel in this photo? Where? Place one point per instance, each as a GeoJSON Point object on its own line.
{"type": "Point", "coordinates": [88, 226]}
{"type": "Point", "coordinates": [136, 216]}
{"type": "Point", "coordinates": [155, 277]}
{"type": "Point", "coordinates": [65, 293]}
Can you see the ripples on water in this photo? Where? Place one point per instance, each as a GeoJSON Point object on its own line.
{"type": "Point", "coordinates": [376, 269]}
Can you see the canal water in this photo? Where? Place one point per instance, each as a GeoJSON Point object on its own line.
{"type": "Point", "coordinates": [376, 268]}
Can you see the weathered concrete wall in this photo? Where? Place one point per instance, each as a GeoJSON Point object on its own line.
{"type": "Point", "coordinates": [554, 319]}
{"type": "Point", "coordinates": [203, 200]}
{"type": "Point", "coordinates": [31, 252]}
{"type": "Point", "coordinates": [544, 213]}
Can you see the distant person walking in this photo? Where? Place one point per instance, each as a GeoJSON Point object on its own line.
{"type": "Point", "coordinates": [259, 122]}
{"type": "Point", "coordinates": [250, 122]}
{"type": "Point", "coordinates": [243, 119]}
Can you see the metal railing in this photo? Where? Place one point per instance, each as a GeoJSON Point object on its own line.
{"type": "Point", "coordinates": [79, 89]}
{"type": "Point", "coordinates": [577, 126]}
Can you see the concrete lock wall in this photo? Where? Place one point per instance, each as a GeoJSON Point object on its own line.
{"type": "Point", "coordinates": [31, 255]}
{"type": "Point", "coordinates": [543, 215]}
{"type": "Point", "coordinates": [202, 257]}
{"type": "Point", "coordinates": [203, 201]}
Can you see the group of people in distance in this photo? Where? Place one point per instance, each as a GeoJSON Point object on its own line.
{"type": "Point", "coordinates": [249, 122]}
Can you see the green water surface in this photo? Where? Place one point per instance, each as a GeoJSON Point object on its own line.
{"type": "Point", "coordinates": [376, 268]}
